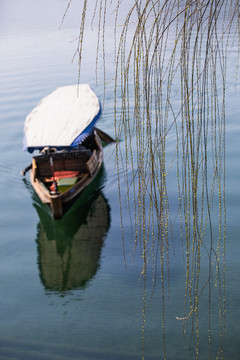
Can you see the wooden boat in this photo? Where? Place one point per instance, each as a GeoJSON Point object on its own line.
{"type": "Point", "coordinates": [60, 177]}
{"type": "Point", "coordinates": [62, 128]}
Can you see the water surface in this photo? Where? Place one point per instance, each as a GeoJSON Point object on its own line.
{"type": "Point", "coordinates": [71, 290]}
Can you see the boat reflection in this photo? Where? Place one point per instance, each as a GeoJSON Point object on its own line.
{"type": "Point", "coordinates": [69, 249]}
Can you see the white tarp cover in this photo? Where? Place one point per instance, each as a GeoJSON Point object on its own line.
{"type": "Point", "coordinates": [61, 117]}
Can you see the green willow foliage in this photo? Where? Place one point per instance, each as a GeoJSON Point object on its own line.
{"type": "Point", "coordinates": [172, 56]}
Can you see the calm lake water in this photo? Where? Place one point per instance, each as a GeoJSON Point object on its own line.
{"type": "Point", "coordinates": [71, 289]}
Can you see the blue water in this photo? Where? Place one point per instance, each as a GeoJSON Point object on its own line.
{"type": "Point", "coordinates": [72, 290]}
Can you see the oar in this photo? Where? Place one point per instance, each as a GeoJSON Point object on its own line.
{"type": "Point", "coordinates": [104, 137]}
{"type": "Point", "coordinates": [23, 172]}
{"type": "Point", "coordinates": [52, 169]}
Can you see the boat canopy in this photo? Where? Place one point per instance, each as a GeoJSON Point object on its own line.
{"type": "Point", "coordinates": [62, 119]}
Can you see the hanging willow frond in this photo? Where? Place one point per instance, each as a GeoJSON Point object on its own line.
{"type": "Point", "coordinates": [170, 84]}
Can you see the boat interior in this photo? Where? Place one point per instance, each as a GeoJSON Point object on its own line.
{"type": "Point", "coordinates": [60, 170]}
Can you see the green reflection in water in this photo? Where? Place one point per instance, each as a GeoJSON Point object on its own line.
{"type": "Point", "coordinates": [68, 252]}
{"type": "Point", "coordinates": [69, 249]}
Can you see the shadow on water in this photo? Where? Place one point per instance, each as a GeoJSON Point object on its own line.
{"type": "Point", "coordinates": [69, 249]}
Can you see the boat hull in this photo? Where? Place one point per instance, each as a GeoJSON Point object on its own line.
{"type": "Point", "coordinates": [60, 202]}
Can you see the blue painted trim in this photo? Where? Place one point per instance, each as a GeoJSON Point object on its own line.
{"type": "Point", "coordinates": [81, 137]}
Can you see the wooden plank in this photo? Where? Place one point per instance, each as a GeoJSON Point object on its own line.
{"type": "Point", "coordinates": [44, 168]}
{"type": "Point", "coordinates": [56, 207]}
{"type": "Point", "coordinates": [92, 163]}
